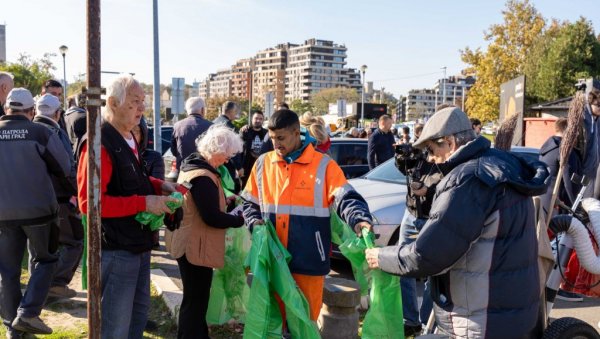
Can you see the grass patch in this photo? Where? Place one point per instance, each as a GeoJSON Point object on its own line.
{"type": "Point", "coordinates": [160, 314]}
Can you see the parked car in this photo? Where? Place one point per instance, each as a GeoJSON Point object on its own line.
{"type": "Point", "coordinates": [384, 189]}
{"type": "Point", "coordinates": [351, 155]}
{"type": "Point", "coordinates": [166, 133]}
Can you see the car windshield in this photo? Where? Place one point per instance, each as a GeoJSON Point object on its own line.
{"type": "Point", "coordinates": [386, 172]}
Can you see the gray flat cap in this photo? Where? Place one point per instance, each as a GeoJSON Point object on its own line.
{"type": "Point", "coordinates": [447, 121]}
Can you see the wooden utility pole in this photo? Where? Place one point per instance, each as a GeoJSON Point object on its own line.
{"type": "Point", "coordinates": [93, 179]}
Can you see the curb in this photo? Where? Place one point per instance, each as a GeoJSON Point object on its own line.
{"type": "Point", "coordinates": [166, 288]}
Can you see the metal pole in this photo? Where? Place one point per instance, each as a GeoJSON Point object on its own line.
{"type": "Point", "coordinates": [93, 178]}
{"type": "Point", "coordinates": [362, 102]}
{"type": "Point", "coordinates": [156, 97]}
{"type": "Point", "coordinates": [381, 94]}
{"type": "Point", "coordinates": [65, 80]}
{"type": "Point", "coordinates": [462, 107]}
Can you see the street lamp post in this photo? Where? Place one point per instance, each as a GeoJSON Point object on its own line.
{"type": "Point", "coordinates": [63, 50]}
{"type": "Point", "coordinates": [363, 68]}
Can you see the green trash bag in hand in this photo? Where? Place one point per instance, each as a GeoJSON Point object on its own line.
{"type": "Point", "coordinates": [229, 291]}
{"type": "Point", "coordinates": [156, 221]}
{"type": "Point", "coordinates": [384, 318]}
{"type": "Point", "coordinates": [268, 260]}
{"type": "Point", "coordinates": [353, 248]}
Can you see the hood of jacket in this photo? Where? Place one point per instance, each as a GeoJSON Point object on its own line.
{"type": "Point", "coordinates": [550, 145]}
{"type": "Point", "coordinates": [495, 167]}
{"type": "Point", "coordinates": [195, 161]}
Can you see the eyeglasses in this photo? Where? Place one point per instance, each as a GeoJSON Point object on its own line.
{"type": "Point", "coordinates": [437, 143]}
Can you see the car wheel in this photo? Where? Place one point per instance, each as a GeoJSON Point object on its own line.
{"type": "Point", "coordinates": [569, 328]}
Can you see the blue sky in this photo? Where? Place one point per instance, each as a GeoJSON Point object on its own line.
{"type": "Point", "coordinates": [399, 41]}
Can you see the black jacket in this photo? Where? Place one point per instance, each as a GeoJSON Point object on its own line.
{"type": "Point", "coordinates": [76, 125]}
{"type": "Point", "coordinates": [480, 245]}
{"type": "Point", "coordinates": [65, 187]}
{"type": "Point", "coordinates": [381, 148]}
{"type": "Point", "coordinates": [29, 152]}
{"type": "Point", "coordinates": [128, 178]}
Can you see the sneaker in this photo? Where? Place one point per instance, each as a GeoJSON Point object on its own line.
{"type": "Point", "coordinates": [412, 330]}
{"type": "Point", "coordinates": [61, 292]}
{"type": "Point", "coordinates": [568, 296]}
{"type": "Point", "coordinates": [33, 325]}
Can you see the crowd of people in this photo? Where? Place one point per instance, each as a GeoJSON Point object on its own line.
{"type": "Point", "coordinates": [284, 176]}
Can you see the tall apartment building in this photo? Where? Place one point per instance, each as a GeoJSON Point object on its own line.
{"type": "Point", "coordinates": [2, 43]}
{"type": "Point", "coordinates": [269, 73]}
{"type": "Point", "coordinates": [420, 103]}
{"type": "Point", "coordinates": [241, 78]}
{"type": "Point", "coordinates": [456, 86]}
{"type": "Point", "coordinates": [204, 87]}
{"type": "Point", "coordinates": [353, 79]}
{"type": "Point", "coordinates": [220, 85]}
{"type": "Point", "coordinates": [313, 66]}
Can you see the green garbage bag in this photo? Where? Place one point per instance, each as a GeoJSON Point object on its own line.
{"type": "Point", "coordinates": [226, 181]}
{"type": "Point", "coordinates": [268, 261]}
{"type": "Point", "coordinates": [156, 221]}
{"type": "Point", "coordinates": [229, 291]}
{"type": "Point", "coordinates": [353, 248]}
{"type": "Point", "coordinates": [384, 318]}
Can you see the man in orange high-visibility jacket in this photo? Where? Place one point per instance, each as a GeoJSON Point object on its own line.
{"type": "Point", "coordinates": [297, 188]}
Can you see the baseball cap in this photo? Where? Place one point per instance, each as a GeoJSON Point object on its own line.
{"type": "Point", "coordinates": [447, 121]}
{"type": "Point", "coordinates": [47, 104]}
{"type": "Point", "coordinates": [19, 99]}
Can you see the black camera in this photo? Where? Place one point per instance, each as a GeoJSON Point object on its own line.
{"type": "Point", "coordinates": [409, 152]}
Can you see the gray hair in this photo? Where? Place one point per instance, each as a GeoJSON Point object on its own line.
{"type": "Point", "coordinates": [462, 138]}
{"type": "Point", "coordinates": [194, 105]}
{"type": "Point", "coordinates": [5, 76]}
{"type": "Point", "coordinates": [118, 91]}
{"type": "Point", "coordinates": [219, 139]}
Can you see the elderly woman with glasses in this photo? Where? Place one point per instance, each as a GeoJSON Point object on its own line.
{"type": "Point", "coordinates": [199, 243]}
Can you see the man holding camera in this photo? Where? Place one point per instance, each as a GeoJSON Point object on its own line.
{"type": "Point", "coordinates": [479, 245]}
{"type": "Point", "coordinates": [423, 176]}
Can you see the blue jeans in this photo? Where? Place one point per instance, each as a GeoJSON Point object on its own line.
{"type": "Point", "coordinates": [43, 240]}
{"type": "Point", "coordinates": [125, 293]}
{"type": "Point", "coordinates": [413, 316]}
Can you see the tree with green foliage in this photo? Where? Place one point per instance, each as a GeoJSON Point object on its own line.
{"type": "Point", "coordinates": [321, 100]}
{"type": "Point", "coordinates": [565, 53]}
{"type": "Point", "coordinates": [300, 106]}
{"type": "Point", "coordinates": [504, 58]}
{"type": "Point", "coordinates": [30, 73]}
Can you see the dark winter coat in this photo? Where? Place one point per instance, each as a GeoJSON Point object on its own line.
{"type": "Point", "coordinates": [480, 245]}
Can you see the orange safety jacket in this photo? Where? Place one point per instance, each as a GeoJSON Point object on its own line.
{"type": "Point", "coordinates": [298, 198]}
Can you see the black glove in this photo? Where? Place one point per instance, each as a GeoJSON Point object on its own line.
{"type": "Point", "coordinates": [173, 220]}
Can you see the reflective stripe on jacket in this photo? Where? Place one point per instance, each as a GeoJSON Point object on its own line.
{"type": "Point", "coordinates": [297, 198]}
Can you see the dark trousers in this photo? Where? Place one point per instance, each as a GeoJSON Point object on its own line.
{"type": "Point", "coordinates": [196, 292]}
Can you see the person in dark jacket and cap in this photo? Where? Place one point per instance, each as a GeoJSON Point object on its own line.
{"type": "Point", "coordinates": [479, 245]}
{"type": "Point", "coordinates": [69, 222]}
